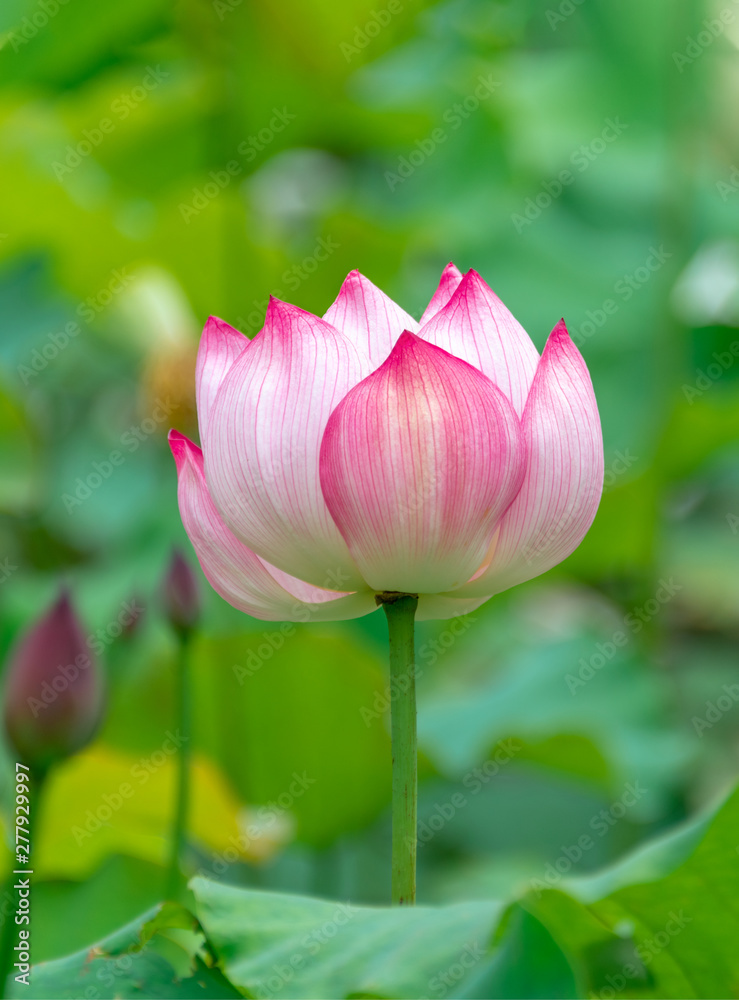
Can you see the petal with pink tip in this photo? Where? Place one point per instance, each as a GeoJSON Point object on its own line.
{"type": "Point", "coordinates": [220, 346]}
{"type": "Point", "coordinates": [263, 440]}
{"type": "Point", "coordinates": [564, 479]}
{"type": "Point", "coordinates": [475, 325]}
{"type": "Point", "coordinates": [368, 317]}
{"type": "Point", "coordinates": [418, 463]}
{"type": "Point", "coordinates": [234, 571]}
{"type": "Point", "coordinates": [450, 279]}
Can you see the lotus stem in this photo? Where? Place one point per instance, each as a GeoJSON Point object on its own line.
{"type": "Point", "coordinates": [182, 792]}
{"type": "Point", "coordinates": [400, 610]}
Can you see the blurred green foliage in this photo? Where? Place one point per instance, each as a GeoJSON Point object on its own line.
{"type": "Point", "coordinates": [161, 161]}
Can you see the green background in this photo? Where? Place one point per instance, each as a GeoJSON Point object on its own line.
{"type": "Point", "coordinates": [144, 188]}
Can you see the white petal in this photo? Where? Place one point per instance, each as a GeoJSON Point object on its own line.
{"type": "Point", "coordinates": [475, 325]}
{"type": "Point", "coordinates": [220, 346]}
{"type": "Point", "coordinates": [237, 573]}
{"type": "Point", "coordinates": [263, 441]}
{"type": "Point", "coordinates": [369, 318]}
{"type": "Point", "coordinates": [564, 479]}
{"type": "Point", "coordinates": [448, 284]}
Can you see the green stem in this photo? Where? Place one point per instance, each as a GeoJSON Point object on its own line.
{"type": "Point", "coordinates": [400, 611]}
{"type": "Point", "coordinates": [184, 714]}
{"type": "Point", "coordinates": [9, 935]}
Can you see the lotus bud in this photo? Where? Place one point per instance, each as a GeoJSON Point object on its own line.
{"type": "Point", "coordinates": [54, 689]}
{"type": "Point", "coordinates": [181, 594]}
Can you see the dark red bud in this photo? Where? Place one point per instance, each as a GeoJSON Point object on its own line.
{"type": "Point", "coordinates": [181, 593]}
{"type": "Point", "coordinates": [54, 689]}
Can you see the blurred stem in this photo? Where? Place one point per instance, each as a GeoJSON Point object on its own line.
{"type": "Point", "coordinates": [9, 903]}
{"type": "Point", "coordinates": [400, 611]}
{"type": "Point", "coordinates": [182, 793]}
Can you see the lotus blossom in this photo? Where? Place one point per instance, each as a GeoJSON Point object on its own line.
{"type": "Point", "coordinates": [367, 453]}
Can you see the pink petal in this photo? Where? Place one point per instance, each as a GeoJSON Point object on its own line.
{"type": "Point", "coordinates": [263, 440]}
{"type": "Point", "coordinates": [234, 571]}
{"type": "Point", "coordinates": [435, 606]}
{"type": "Point", "coordinates": [418, 463]}
{"type": "Point", "coordinates": [475, 325]}
{"type": "Point", "coordinates": [368, 317]}
{"type": "Point", "coordinates": [561, 492]}
{"type": "Point", "coordinates": [220, 346]}
{"type": "Point", "coordinates": [450, 279]}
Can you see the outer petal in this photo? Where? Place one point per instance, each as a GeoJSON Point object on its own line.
{"type": "Point", "coordinates": [220, 346]}
{"type": "Point", "coordinates": [564, 480]}
{"type": "Point", "coordinates": [234, 571]}
{"type": "Point", "coordinates": [435, 606]}
{"type": "Point", "coordinates": [368, 317]}
{"type": "Point", "coordinates": [475, 325]}
{"type": "Point", "coordinates": [418, 463]}
{"type": "Point", "coordinates": [263, 440]}
{"type": "Point", "coordinates": [450, 279]}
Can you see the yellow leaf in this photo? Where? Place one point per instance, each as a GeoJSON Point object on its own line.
{"type": "Point", "coordinates": [105, 802]}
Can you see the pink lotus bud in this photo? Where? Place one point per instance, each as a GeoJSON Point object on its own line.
{"type": "Point", "coordinates": [181, 593]}
{"type": "Point", "coordinates": [365, 453]}
{"type": "Point", "coordinates": [54, 689]}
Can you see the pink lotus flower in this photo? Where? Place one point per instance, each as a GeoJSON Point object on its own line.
{"type": "Point", "coordinates": [366, 452]}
